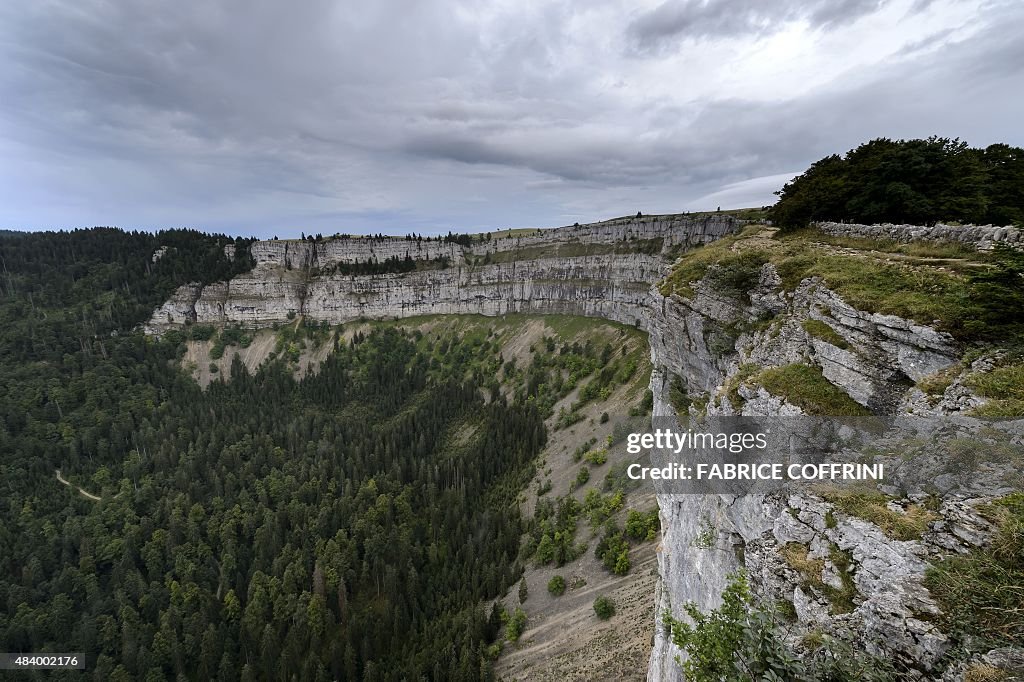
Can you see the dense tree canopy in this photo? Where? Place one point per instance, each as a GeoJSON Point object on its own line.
{"type": "Point", "coordinates": [349, 525]}
{"type": "Point", "coordinates": [908, 181]}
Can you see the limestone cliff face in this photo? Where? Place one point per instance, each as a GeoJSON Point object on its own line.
{"type": "Point", "coordinates": [675, 230]}
{"type": "Point", "coordinates": [287, 281]}
{"type": "Point", "coordinates": [876, 363]}
{"type": "Point", "coordinates": [297, 254]}
{"type": "Point", "coordinates": [614, 287]}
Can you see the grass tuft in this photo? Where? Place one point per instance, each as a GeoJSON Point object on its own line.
{"type": "Point", "coordinates": [807, 388]}
{"type": "Point", "coordinates": [841, 599]}
{"type": "Point", "coordinates": [1004, 387]}
{"type": "Point", "coordinates": [741, 377]}
{"type": "Point", "coordinates": [936, 384]}
{"type": "Point", "coordinates": [872, 506]}
{"type": "Point", "coordinates": [823, 331]}
{"type": "Point", "coordinates": [796, 556]}
{"type": "Point", "coordinates": [982, 593]}
{"type": "Point", "coordinates": [982, 672]}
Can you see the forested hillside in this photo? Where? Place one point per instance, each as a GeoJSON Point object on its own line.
{"type": "Point", "coordinates": [908, 181]}
{"type": "Point", "coordinates": [347, 525]}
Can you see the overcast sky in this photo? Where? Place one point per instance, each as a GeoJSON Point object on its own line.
{"type": "Point", "coordinates": [265, 117]}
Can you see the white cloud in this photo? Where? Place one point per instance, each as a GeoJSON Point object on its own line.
{"type": "Point", "coordinates": [744, 194]}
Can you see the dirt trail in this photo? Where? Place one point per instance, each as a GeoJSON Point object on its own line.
{"type": "Point", "coordinates": [81, 491]}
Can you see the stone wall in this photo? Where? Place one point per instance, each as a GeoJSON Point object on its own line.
{"type": "Point", "coordinates": [978, 236]}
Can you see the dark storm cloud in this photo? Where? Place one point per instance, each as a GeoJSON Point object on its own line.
{"type": "Point", "coordinates": [732, 18]}
{"type": "Point", "coordinates": [735, 138]}
{"type": "Point", "coordinates": [590, 158]}
{"type": "Point", "coordinates": [256, 116]}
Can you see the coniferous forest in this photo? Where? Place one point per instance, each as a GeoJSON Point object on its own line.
{"type": "Point", "coordinates": [349, 525]}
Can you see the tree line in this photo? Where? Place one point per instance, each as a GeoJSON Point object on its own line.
{"type": "Point", "coordinates": [918, 181]}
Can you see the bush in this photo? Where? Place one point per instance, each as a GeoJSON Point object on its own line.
{"type": "Point", "coordinates": [622, 563]}
{"type": "Point", "coordinates": [556, 586]}
{"type": "Point", "coordinates": [598, 507]}
{"type": "Point", "coordinates": [231, 336]}
{"type": "Point", "coordinates": [515, 626]}
{"type": "Point", "coordinates": [604, 417]}
{"type": "Point", "coordinates": [738, 273]}
{"type": "Point", "coordinates": [578, 453]}
{"type": "Point", "coordinates": [741, 640]}
{"type": "Point", "coordinates": [604, 607]}
{"type": "Point", "coordinates": [217, 349]}
{"type": "Point", "coordinates": [677, 396]}
{"type": "Point", "coordinates": [642, 526]}
{"type": "Point", "coordinates": [613, 550]}
{"type": "Point", "coordinates": [567, 418]}
{"type": "Point", "coordinates": [201, 332]}
{"type": "Point", "coordinates": [546, 550]}
{"type": "Point", "coordinates": [581, 478]}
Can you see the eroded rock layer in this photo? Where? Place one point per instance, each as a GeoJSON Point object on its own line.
{"type": "Point", "coordinates": [611, 278]}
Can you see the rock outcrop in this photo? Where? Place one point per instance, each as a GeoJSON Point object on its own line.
{"type": "Point", "coordinates": [873, 358]}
